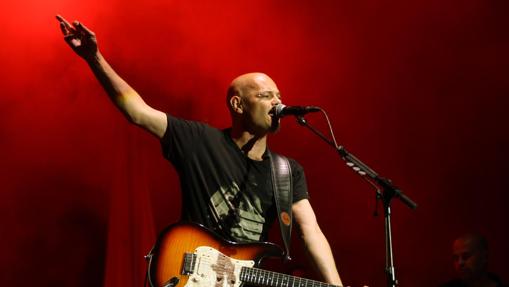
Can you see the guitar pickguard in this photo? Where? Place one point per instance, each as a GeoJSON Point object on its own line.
{"type": "Point", "coordinates": [214, 269]}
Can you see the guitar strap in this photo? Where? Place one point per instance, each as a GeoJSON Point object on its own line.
{"type": "Point", "coordinates": [282, 186]}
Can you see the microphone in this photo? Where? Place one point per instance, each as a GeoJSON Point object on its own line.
{"type": "Point", "coordinates": [281, 110]}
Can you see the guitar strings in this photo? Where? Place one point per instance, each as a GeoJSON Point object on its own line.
{"type": "Point", "coordinates": [219, 268]}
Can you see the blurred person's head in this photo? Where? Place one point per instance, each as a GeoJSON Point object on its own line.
{"type": "Point", "coordinates": [470, 253]}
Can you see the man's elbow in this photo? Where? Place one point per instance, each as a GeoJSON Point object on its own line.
{"type": "Point", "coordinates": [307, 230]}
{"type": "Point", "coordinates": [134, 118]}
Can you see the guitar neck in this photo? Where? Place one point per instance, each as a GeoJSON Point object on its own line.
{"type": "Point", "coordinates": [260, 277]}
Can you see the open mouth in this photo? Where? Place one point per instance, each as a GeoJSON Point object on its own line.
{"type": "Point", "coordinates": [272, 112]}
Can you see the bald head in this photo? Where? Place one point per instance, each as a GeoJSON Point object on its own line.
{"type": "Point", "coordinates": [250, 99]}
{"type": "Point", "coordinates": [248, 83]}
{"type": "Point", "coordinates": [470, 253]}
{"type": "Point", "coordinates": [474, 241]}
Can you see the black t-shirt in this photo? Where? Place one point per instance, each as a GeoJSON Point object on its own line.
{"type": "Point", "coordinates": [221, 187]}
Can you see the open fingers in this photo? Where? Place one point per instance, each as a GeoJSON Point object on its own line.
{"type": "Point", "coordinates": [64, 29]}
{"type": "Point", "coordinates": [84, 29]}
{"type": "Point", "coordinates": [65, 26]}
{"type": "Point", "coordinates": [62, 20]}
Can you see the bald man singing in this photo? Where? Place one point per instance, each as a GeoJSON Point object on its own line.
{"type": "Point", "coordinates": [225, 175]}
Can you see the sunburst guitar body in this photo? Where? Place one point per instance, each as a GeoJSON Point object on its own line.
{"type": "Point", "coordinates": [189, 255]}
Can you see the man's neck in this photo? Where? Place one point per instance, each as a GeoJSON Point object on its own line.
{"type": "Point", "coordinates": [253, 146]}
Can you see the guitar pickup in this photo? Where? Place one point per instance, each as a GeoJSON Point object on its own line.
{"type": "Point", "coordinates": [189, 263]}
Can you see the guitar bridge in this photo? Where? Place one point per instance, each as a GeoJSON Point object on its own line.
{"type": "Point", "coordinates": [189, 263]}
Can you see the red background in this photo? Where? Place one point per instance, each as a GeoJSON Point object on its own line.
{"type": "Point", "coordinates": [416, 89]}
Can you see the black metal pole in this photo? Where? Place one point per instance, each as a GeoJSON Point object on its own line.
{"type": "Point", "coordinates": [389, 258]}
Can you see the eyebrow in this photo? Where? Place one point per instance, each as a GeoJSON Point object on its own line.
{"type": "Point", "coordinates": [277, 94]}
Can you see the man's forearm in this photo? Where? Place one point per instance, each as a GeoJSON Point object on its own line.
{"type": "Point", "coordinates": [320, 253]}
{"type": "Point", "coordinates": [125, 98]}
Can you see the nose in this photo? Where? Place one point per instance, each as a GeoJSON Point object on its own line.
{"type": "Point", "coordinates": [460, 262]}
{"type": "Point", "coordinates": [276, 101]}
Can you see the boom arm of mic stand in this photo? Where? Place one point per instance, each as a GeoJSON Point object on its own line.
{"type": "Point", "coordinates": [362, 169]}
{"type": "Point", "coordinates": [384, 183]}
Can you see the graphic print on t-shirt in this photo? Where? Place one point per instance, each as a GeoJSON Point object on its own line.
{"type": "Point", "coordinates": [239, 213]}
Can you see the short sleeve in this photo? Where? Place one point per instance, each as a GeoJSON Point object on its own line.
{"type": "Point", "coordinates": [180, 139]}
{"type": "Point", "coordinates": [300, 190]}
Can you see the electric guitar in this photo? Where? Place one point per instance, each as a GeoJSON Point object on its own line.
{"type": "Point", "coordinates": [192, 256]}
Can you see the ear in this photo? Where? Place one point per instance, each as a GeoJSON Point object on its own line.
{"type": "Point", "coordinates": [236, 104]}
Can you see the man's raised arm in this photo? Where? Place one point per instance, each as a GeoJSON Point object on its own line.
{"type": "Point", "coordinates": [84, 43]}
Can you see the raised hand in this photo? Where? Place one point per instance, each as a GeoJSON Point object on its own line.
{"type": "Point", "coordinates": [81, 39]}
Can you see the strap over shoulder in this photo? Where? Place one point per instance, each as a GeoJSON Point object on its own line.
{"type": "Point", "coordinates": [282, 186]}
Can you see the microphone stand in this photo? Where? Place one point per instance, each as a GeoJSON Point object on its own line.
{"type": "Point", "coordinates": [387, 193]}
